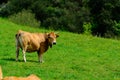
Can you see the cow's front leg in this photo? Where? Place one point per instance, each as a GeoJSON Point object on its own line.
{"type": "Point", "coordinates": [40, 57]}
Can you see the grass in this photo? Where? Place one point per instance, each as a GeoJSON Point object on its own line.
{"type": "Point", "coordinates": [75, 57]}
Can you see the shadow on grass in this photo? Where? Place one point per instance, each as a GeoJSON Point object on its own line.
{"type": "Point", "coordinates": [8, 59]}
{"type": "Point", "coordinates": [13, 60]}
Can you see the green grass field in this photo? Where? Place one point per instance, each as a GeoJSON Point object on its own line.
{"type": "Point", "coordinates": [75, 57]}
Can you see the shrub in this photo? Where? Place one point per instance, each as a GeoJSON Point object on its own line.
{"type": "Point", "coordinates": [25, 17]}
{"type": "Point", "coordinates": [117, 28]}
{"type": "Point", "coordinates": [114, 32]}
{"type": "Point", "coordinates": [87, 28]}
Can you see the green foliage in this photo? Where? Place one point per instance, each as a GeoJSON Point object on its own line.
{"type": "Point", "coordinates": [55, 14]}
{"type": "Point", "coordinates": [69, 15]}
{"type": "Point", "coordinates": [116, 28]}
{"type": "Point", "coordinates": [104, 14]}
{"type": "Point", "coordinates": [15, 6]}
{"type": "Point", "coordinates": [87, 28]}
{"type": "Point", "coordinates": [75, 57]}
{"type": "Point", "coordinates": [26, 18]}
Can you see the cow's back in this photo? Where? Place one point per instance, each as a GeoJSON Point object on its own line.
{"type": "Point", "coordinates": [31, 40]}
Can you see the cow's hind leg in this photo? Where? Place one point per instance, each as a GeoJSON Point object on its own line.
{"type": "Point", "coordinates": [17, 48]}
{"type": "Point", "coordinates": [17, 53]}
{"type": "Point", "coordinates": [24, 55]}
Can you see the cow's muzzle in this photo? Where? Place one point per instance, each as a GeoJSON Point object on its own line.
{"type": "Point", "coordinates": [54, 43]}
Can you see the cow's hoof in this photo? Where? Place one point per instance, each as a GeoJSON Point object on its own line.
{"type": "Point", "coordinates": [16, 60]}
{"type": "Point", "coordinates": [42, 61]}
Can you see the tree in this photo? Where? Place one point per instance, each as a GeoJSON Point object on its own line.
{"type": "Point", "coordinates": [3, 1]}
{"type": "Point", "coordinates": [103, 12]}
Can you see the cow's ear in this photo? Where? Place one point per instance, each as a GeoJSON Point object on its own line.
{"type": "Point", "coordinates": [57, 35]}
{"type": "Point", "coordinates": [48, 35]}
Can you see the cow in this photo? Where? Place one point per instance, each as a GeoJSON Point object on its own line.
{"type": "Point", "coordinates": [31, 77]}
{"type": "Point", "coordinates": [34, 42]}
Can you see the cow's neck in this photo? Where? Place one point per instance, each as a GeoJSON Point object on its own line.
{"type": "Point", "coordinates": [44, 46]}
{"type": "Point", "coordinates": [47, 42]}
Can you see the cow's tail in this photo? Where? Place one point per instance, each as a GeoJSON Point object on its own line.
{"type": "Point", "coordinates": [1, 76]}
{"type": "Point", "coordinates": [19, 40]}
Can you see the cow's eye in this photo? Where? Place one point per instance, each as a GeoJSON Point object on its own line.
{"type": "Point", "coordinates": [50, 37]}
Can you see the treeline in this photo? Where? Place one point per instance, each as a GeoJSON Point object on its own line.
{"type": "Point", "coordinates": [97, 17]}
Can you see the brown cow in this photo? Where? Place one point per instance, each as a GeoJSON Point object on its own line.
{"type": "Point", "coordinates": [31, 42]}
{"type": "Point", "coordinates": [31, 77]}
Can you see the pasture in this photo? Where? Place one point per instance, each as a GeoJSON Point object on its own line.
{"type": "Point", "coordinates": [75, 57]}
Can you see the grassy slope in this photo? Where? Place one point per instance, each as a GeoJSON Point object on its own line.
{"type": "Point", "coordinates": [75, 57]}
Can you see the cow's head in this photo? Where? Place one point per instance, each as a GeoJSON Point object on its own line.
{"type": "Point", "coordinates": [52, 38]}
